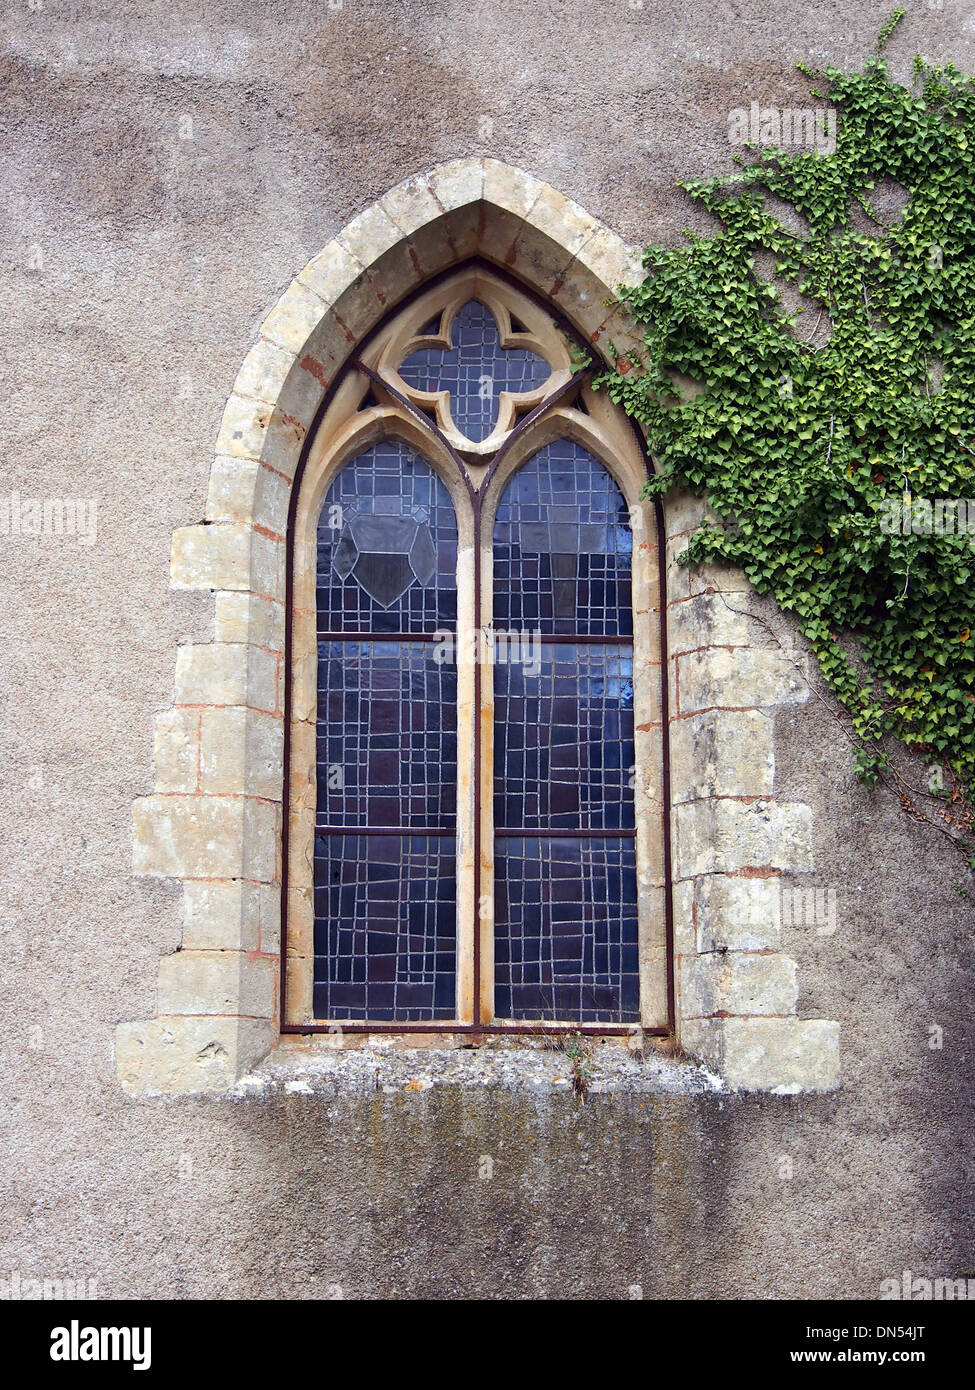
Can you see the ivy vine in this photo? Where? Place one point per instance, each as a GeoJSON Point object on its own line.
{"type": "Point", "coordinates": [813, 446]}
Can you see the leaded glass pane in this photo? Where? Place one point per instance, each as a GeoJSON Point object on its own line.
{"type": "Point", "coordinates": [387, 736]}
{"type": "Point", "coordinates": [563, 548]}
{"type": "Point", "coordinates": [385, 929]}
{"type": "Point", "coordinates": [563, 743]}
{"type": "Point", "coordinates": [565, 932]}
{"type": "Point", "coordinates": [387, 546]}
{"type": "Point", "coordinates": [475, 371]}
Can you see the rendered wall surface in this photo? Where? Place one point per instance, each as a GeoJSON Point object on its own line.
{"type": "Point", "coordinates": [167, 172]}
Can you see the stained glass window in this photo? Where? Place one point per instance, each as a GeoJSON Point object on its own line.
{"type": "Point", "coordinates": [387, 547]}
{"type": "Point", "coordinates": [412, 794]}
{"type": "Point", "coordinates": [565, 942]}
{"type": "Point", "coordinates": [563, 548]}
{"type": "Point", "coordinates": [475, 371]}
{"type": "Point", "coordinates": [385, 908]}
{"type": "Point", "coordinates": [565, 923]}
{"type": "Point", "coordinates": [385, 928]}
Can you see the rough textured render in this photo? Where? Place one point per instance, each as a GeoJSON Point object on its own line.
{"type": "Point", "coordinates": [189, 192]}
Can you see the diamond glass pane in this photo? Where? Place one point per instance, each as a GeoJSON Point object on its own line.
{"type": "Point", "coordinates": [387, 736]}
{"type": "Point", "coordinates": [385, 928]}
{"type": "Point", "coordinates": [563, 743]}
{"type": "Point", "coordinates": [387, 546]}
{"type": "Point", "coordinates": [563, 548]}
{"type": "Point", "coordinates": [475, 371]}
{"type": "Point", "coordinates": [566, 930]}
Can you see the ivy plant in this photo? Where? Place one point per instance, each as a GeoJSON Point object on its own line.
{"type": "Point", "coordinates": [823, 449]}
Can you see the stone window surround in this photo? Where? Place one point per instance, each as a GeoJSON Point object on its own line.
{"type": "Point", "coordinates": [214, 818]}
{"type": "Point", "coordinates": [344, 432]}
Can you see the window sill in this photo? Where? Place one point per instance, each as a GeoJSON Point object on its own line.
{"type": "Point", "coordinates": [307, 1066]}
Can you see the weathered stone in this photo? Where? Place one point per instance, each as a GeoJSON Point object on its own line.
{"type": "Point", "coordinates": [294, 318]}
{"type": "Point", "coordinates": [206, 837]}
{"type": "Point", "coordinates": [737, 913]}
{"type": "Point", "coordinates": [232, 673]}
{"type": "Point", "coordinates": [245, 490]}
{"type": "Point", "coordinates": [678, 576]}
{"type": "Point", "coordinates": [611, 261]}
{"type": "Point", "coordinates": [223, 915]}
{"type": "Point", "coordinates": [369, 236]}
{"type": "Point", "coordinates": [563, 221]}
{"type": "Point", "coordinates": [331, 272]}
{"type": "Point", "coordinates": [457, 183]}
{"type": "Point", "coordinates": [216, 982]}
{"type": "Point", "coordinates": [724, 578]}
{"type": "Point", "coordinates": [508, 188]}
{"type": "Point", "coordinates": [253, 430]}
{"type": "Point", "coordinates": [227, 555]}
{"type": "Point", "coordinates": [176, 750]}
{"type": "Point", "coordinates": [684, 513]}
{"type": "Point", "coordinates": [265, 370]}
{"type": "Point", "coordinates": [244, 617]}
{"type": "Point", "coordinates": [724, 836]}
{"type": "Point", "coordinates": [705, 620]}
{"type": "Point", "coordinates": [768, 1054]}
{"type": "Point", "coordinates": [722, 753]}
{"type": "Point", "coordinates": [737, 982]}
{"type": "Point", "coordinates": [186, 1055]}
{"type": "Point", "coordinates": [411, 205]}
{"type": "Point", "coordinates": [741, 678]}
{"type": "Point", "coordinates": [685, 935]}
{"type": "Point", "coordinates": [243, 428]}
{"type": "Point", "coordinates": [241, 752]}
{"type": "Point", "coordinates": [211, 557]}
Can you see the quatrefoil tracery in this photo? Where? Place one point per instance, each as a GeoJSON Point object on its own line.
{"type": "Point", "coordinates": [475, 355]}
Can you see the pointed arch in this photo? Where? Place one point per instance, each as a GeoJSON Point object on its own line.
{"type": "Point", "coordinates": [214, 819]}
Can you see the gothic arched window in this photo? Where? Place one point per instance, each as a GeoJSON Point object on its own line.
{"type": "Point", "coordinates": [476, 813]}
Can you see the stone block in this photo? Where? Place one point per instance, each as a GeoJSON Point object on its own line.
{"type": "Point", "coordinates": [725, 836]}
{"type": "Point", "coordinates": [176, 750]}
{"type": "Point", "coordinates": [738, 913]}
{"type": "Point", "coordinates": [231, 673]}
{"type": "Point", "coordinates": [181, 1056]}
{"type": "Point", "coordinates": [241, 752]}
{"type": "Point", "coordinates": [206, 837]}
{"type": "Point", "coordinates": [784, 1055]}
{"type": "Point", "coordinates": [223, 915]}
{"type": "Point", "coordinates": [216, 982]}
{"type": "Point", "coordinates": [721, 753]}
{"type": "Point", "coordinates": [737, 982]}
{"type": "Point", "coordinates": [244, 617]}
{"type": "Point", "coordinates": [740, 678]}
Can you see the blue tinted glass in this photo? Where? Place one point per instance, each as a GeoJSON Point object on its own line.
{"type": "Point", "coordinates": [387, 736]}
{"type": "Point", "coordinates": [563, 548]}
{"type": "Point", "coordinates": [387, 546]}
{"type": "Point", "coordinates": [475, 371]}
{"type": "Point", "coordinates": [563, 743]}
{"type": "Point", "coordinates": [566, 930]}
{"type": "Point", "coordinates": [385, 928]}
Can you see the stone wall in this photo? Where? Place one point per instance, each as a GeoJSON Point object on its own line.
{"type": "Point", "coordinates": [169, 173]}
